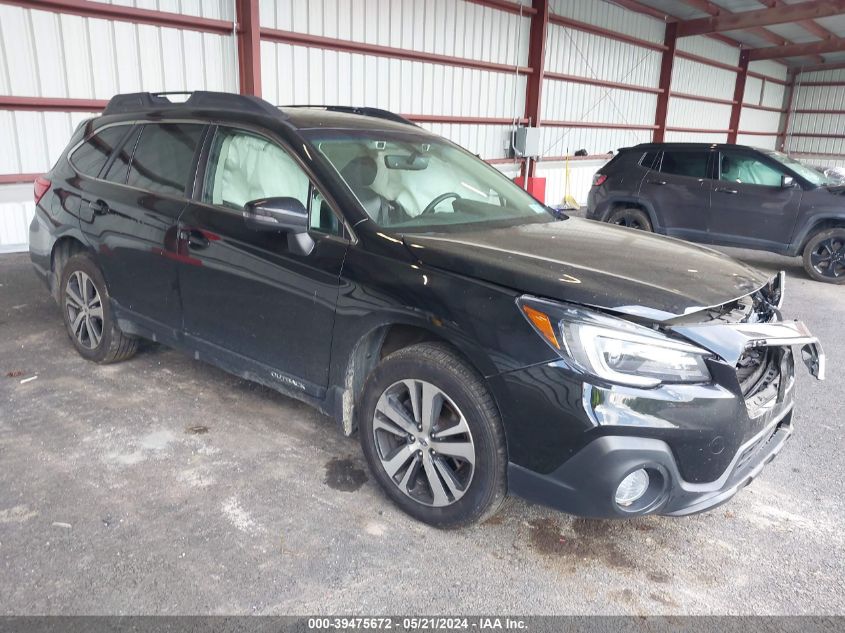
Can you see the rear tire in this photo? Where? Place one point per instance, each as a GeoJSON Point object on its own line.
{"type": "Point", "coordinates": [86, 309]}
{"type": "Point", "coordinates": [448, 469]}
{"type": "Point", "coordinates": [632, 218]}
{"type": "Point", "coordinates": [824, 256]}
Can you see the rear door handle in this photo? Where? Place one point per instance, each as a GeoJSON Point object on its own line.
{"type": "Point", "coordinates": [99, 207]}
{"type": "Point", "coordinates": [656, 182]}
{"type": "Point", "coordinates": [726, 190]}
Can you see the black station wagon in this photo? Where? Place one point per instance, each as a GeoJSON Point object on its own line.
{"type": "Point", "coordinates": [477, 343]}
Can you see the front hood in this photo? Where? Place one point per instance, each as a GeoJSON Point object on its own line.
{"type": "Point", "coordinates": [594, 264]}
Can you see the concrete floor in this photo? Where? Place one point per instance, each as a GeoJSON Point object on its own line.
{"type": "Point", "coordinates": [162, 485]}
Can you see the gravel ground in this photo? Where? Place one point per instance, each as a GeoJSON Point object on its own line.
{"type": "Point", "coordinates": [163, 485]}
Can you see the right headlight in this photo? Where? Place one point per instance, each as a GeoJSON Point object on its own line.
{"type": "Point", "coordinates": [614, 349]}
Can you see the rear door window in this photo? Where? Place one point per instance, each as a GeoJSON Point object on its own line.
{"type": "Point", "coordinates": [685, 163]}
{"type": "Point", "coordinates": [90, 157]}
{"type": "Point", "coordinates": [163, 161]}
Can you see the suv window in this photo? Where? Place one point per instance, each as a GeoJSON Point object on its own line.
{"type": "Point", "coordinates": [164, 157]}
{"type": "Point", "coordinates": [685, 163]}
{"type": "Point", "coordinates": [649, 159]}
{"type": "Point", "coordinates": [90, 157]}
{"type": "Point", "coordinates": [243, 166]}
{"type": "Point", "coordinates": [746, 169]}
{"type": "Point", "coordinates": [118, 170]}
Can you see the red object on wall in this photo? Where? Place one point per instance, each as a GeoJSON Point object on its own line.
{"type": "Point", "coordinates": [536, 187]}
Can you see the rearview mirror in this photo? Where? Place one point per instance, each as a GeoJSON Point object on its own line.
{"type": "Point", "coordinates": [787, 181]}
{"type": "Point", "coordinates": [413, 162]}
{"type": "Point", "coordinates": [286, 215]}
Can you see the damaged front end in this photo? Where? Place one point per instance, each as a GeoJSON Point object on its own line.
{"type": "Point", "coordinates": [692, 440]}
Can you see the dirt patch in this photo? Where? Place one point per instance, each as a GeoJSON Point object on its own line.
{"type": "Point", "coordinates": [590, 540]}
{"type": "Point", "coordinates": [344, 474]}
{"type": "Point", "coordinates": [658, 577]}
{"type": "Point", "coordinates": [197, 429]}
{"type": "Point", "coordinates": [664, 599]}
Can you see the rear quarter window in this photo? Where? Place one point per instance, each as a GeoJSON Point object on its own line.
{"type": "Point", "coordinates": [90, 157]}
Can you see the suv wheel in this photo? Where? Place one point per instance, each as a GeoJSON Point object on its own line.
{"type": "Point", "coordinates": [824, 256]}
{"type": "Point", "coordinates": [433, 438]}
{"type": "Point", "coordinates": [632, 218]}
{"type": "Point", "coordinates": [88, 316]}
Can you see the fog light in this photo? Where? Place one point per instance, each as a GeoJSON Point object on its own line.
{"type": "Point", "coordinates": [632, 487]}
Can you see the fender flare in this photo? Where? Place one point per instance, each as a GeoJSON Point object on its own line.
{"type": "Point", "coordinates": [809, 227]}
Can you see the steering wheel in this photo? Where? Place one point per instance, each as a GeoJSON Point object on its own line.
{"type": "Point", "coordinates": [443, 196]}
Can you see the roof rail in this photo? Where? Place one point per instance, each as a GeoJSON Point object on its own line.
{"type": "Point", "coordinates": [199, 99]}
{"type": "Point", "coordinates": [377, 113]}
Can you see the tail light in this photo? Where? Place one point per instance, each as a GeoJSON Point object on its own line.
{"type": "Point", "coordinates": [42, 186]}
{"type": "Point", "coordinates": [598, 179]}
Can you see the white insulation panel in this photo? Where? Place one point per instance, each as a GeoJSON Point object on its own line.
{"type": "Point", "coordinates": [447, 27]}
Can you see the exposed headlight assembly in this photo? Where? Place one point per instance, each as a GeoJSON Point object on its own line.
{"type": "Point", "coordinates": [614, 349]}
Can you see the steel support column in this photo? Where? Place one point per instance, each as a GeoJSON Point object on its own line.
{"type": "Point", "coordinates": [537, 62]}
{"type": "Point", "coordinates": [670, 39]}
{"type": "Point", "coordinates": [249, 47]}
{"type": "Point", "coordinates": [739, 93]}
{"type": "Point", "coordinates": [784, 128]}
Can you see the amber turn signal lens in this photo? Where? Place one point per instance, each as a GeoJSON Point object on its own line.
{"type": "Point", "coordinates": [542, 323]}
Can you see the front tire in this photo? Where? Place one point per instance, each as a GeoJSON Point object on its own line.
{"type": "Point", "coordinates": [87, 313]}
{"type": "Point", "coordinates": [433, 437]}
{"type": "Point", "coordinates": [824, 256]}
{"type": "Point", "coordinates": [632, 218]}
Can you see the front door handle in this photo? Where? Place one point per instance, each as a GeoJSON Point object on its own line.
{"type": "Point", "coordinates": [99, 207]}
{"type": "Point", "coordinates": [726, 190]}
{"type": "Point", "coordinates": [656, 182]}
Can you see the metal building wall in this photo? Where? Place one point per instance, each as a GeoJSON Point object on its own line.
{"type": "Point", "coordinates": [90, 58]}
{"type": "Point", "coordinates": [299, 74]}
{"type": "Point", "coordinates": [816, 131]}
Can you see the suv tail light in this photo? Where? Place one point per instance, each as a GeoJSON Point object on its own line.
{"type": "Point", "coordinates": [42, 186]}
{"type": "Point", "coordinates": [599, 179]}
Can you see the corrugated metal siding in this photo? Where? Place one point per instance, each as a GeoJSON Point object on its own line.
{"type": "Point", "coordinates": [446, 27]}
{"type": "Point", "coordinates": [763, 142]}
{"type": "Point", "coordinates": [698, 114]}
{"type": "Point", "coordinates": [296, 74]}
{"type": "Point", "coordinates": [709, 48]}
{"type": "Point", "coordinates": [610, 16]}
{"type": "Point", "coordinates": [215, 9]}
{"type": "Point", "coordinates": [574, 52]}
{"type": "Point", "coordinates": [695, 137]}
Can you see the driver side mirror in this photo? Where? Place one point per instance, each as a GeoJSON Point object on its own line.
{"type": "Point", "coordinates": [281, 215]}
{"type": "Point", "coordinates": [787, 182]}
{"type": "Point", "coordinates": [285, 215]}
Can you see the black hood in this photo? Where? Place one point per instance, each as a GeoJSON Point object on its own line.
{"type": "Point", "coordinates": [594, 264]}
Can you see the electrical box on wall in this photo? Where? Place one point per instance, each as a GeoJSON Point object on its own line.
{"type": "Point", "coordinates": [526, 141]}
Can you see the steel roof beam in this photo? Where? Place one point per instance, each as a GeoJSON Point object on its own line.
{"type": "Point", "coordinates": [798, 50]}
{"type": "Point", "coordinates": [724, 21]}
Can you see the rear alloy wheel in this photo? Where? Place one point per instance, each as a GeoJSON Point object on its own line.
{"type": "Point", "coordinates": [432, 436]}
{"type": "Point", "coordinates": [631, 218]}
{"type": "Point", "coordinates": [824, 256]}
{"type": "Point", "coordinates": [86, 308]}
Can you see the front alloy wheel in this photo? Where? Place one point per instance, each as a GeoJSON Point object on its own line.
{"type": "Point", "coordinates": [433, 437]}
{"type": "Point", "coordinates": [824, 256]}
{"type": "Point", "coordinates": [424, 443]}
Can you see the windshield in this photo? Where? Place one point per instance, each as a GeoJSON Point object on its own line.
{"type": "Point", "coordinates": [814, 176]}
{"type": "Point", "coordinates": [412, 183]}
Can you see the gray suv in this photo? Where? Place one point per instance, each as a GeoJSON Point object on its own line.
{"type": "Point", "coordinates": [731, 195]}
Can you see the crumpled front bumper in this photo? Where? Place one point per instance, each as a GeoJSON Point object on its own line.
{"type": "Point", "coordinates": [678, 433]}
